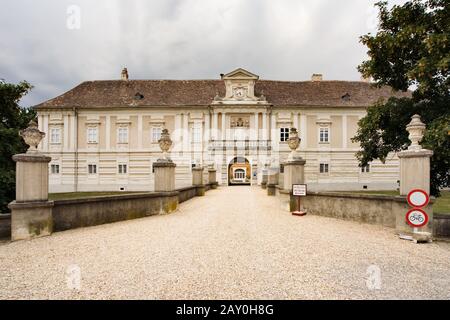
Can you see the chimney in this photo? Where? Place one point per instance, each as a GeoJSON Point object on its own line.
{"type": "Point", "coordinates": [316, 77]}
{"type": "Point", "coordinates": [124, 74]}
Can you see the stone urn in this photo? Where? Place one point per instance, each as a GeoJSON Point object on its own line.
{"type": "Point", "coordinates": [165, 143]}
{"type": "Point", "coordinates": [32, 136]}
{"type": "Point", "coordinates": [415, 129]}
{"type": "Point", "coordinates": [293, 143]}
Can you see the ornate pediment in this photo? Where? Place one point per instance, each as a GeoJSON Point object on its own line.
{"type": "Point", "coordinates": [240, 88]}
{"type": "Point", "coordinates": [240, 74]}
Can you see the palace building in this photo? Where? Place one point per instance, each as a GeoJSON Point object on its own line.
{"type": "Point", "coordinates": [103, 135]}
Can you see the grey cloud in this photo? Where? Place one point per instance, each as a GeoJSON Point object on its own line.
{"type": "Point", "coordinates": [179, 39]}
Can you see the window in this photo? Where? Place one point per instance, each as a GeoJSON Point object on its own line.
{"type": "Point", "coordinates": [122, 134]}
{"type": "Point", "coordinates": [55, 135]}
{"type": "Point", "coordinates": [156, 134]}
{"type": "Point", "coordinates": [196, 134]}
{"type": "Point", "coordinates": [365, 169]}
{"type": "Point", "coordinates": [54, 168]}
{"type": "Point", "coordinates": [92, 168]}
{"type": "Point", "coordinates": [122, 168]}
{"type": "Point", "coordinates": [92, 135]}
{"type": "Point", "coordinates": [239, 174]}
{"type": "Point", "coordinates": [284, 134]}
{"type": "Point", "coordinates": [324, 135]}
{"type": "Point", "coordinates": [324, 168]}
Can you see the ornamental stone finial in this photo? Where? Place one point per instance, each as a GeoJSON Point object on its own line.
{"type": "Point", "coordinates": [32, 136]}
{"type": "Point", "coordinates": [293, 143]}
{"type": "Point", "coordinates": [165, 143]}
{"type": "Point", "coordinates": [415, 129]}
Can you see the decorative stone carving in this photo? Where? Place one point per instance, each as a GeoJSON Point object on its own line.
{"type": "Point", "coordinates": [240, 92]}
{"type": "Point", "coordinates": [293, 143]}
{"type": "Point", "coordinates": [217, 97]}
{"type": "Point", "coordinates": [32, 136]}
{"type": "Point", "coordinates": [415, 128]}
{"type": "Point", "coordinates": [165, 143]}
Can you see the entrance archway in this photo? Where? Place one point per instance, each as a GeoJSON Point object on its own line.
{"type": "Point", "coordinates": [239, 171]}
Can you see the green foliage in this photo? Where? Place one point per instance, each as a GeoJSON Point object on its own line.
{"type": "Point", "coordinates": [437, 138]}
{"type": "Point", "coordinates": [411, 48]}
{"type": "Point", "coordinates": [13, 118]}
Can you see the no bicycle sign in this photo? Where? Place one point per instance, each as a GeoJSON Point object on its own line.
{"type": "Point", "coordinates": [417, 199]}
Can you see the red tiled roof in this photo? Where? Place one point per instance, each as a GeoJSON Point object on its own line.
{"type": "Point", "coordinates": [121, 93]}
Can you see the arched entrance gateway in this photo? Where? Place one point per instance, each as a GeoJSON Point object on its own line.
{"type": "Point", "coordinates": [239, 171]}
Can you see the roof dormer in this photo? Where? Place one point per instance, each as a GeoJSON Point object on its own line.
{"type": "Point", "coordinates": [240, 87]}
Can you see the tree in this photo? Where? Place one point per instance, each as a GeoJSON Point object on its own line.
{"type": "Point", "coordinates": [410, 49]}
{"type": "Point", "coordinates": [13, 119]}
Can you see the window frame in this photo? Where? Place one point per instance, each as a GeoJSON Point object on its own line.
{"type": "Point", "coordinates": [55, 165]}
{"type": "Point", "coordinates": [284, 134]}
{"type": "Point", "coordinates": [92, 165]}
{"type": "Point", "coordinates": [152, 133]}
{"type": "Point", "coordinates": [88, 135]}
{"type": "Point", "coordinates": [122, 129]}
{"type": "Point", "coordinates": [325, 166]}
{"type": "Point", "coordinates": [120, 167]}
{"type": "Point", "coordinates": [327, 135]}
{"type": "Point", "coordinates": [196, 134]}
{"type": "Point", "coordinates": [58, 141]}
{"type": "Point", "coordinates": [365, 169]}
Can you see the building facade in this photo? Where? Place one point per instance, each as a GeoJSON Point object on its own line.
{"type": "Point", "coordinates": [103, 135]}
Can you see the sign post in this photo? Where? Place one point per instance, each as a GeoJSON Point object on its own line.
{"type": "Point", "coordinates": [416, 217]}
{"type": "Point", "coordinates": [299, 190]}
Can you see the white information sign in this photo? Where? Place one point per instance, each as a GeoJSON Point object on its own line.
{"type": "Point", "coordinates": [299, 189]}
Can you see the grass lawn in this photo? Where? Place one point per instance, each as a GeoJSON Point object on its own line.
{"type": "Point", "coordinates": [81, 195]}
{"type": "Point", "coordinates": [441, 205]}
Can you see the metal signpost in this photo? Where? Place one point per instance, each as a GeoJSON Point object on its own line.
{"type": "Point", "coordinates": [299, 190]}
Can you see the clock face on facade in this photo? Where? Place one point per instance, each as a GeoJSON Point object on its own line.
{"type": "Point", "coordinates": [240, 92]}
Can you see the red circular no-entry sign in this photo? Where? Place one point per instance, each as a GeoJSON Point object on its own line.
{"type": "Point", "coordinates": [416, 217]}
{"type": "Point", "coordinates": [418, 198]}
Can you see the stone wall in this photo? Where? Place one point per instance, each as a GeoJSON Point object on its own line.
{"type": "Point", "coordinates": [441, 225]}
{"type": "Point", "coordinates": [388, 211]}
{"type": "Point", "coordinates": [78, 213]}
{"type": "Point", "coordinates": [5, 226]}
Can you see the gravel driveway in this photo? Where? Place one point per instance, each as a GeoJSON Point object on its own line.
{"type": "Point", "coordinates": [234, 243]}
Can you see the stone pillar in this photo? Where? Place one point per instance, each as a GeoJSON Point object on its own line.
{"type": "Point", "coordinates": [294, 173]}
{"type": "Point", "coordinates": [31, 212]}
{"type": "Point", "coordinates": [272, 180]}
{"type": "Point", "coordinates": [415, 162]}
{"type": "Point", "coordinates": [212, 177]}
{"type": "Point", "coordinates": [264, 179]}
{"type": "Point", "coordinates": [164, 168]}
{"type": "Point", "coordinates": [415, 174]}
{"type": "Point", "coordinates": [197, 180]}
{"type": "Point", "coordinates": [294, 167]}
{"type": "Point", "coordinates": [164, 175]}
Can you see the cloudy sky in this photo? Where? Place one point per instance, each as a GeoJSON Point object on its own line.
{"type": "Point", "coordinates": [56, 44]}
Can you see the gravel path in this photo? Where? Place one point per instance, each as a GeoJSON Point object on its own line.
{"type": "Point", "coordinates": [234, 243]}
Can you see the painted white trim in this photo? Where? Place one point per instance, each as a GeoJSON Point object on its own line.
{"type": "Point", "coordinates": [139, 131]}
{"type": "Point", "coordinates": [47, 133]}
{"type": "Point", "coordinates": [264, 122]}
{"type": "Point", "coordinates": [344, 131]}
{"type": "Point", "coordinates": [66, 133]}
{"type": "Point", "coordinates": [108, 132]}
{"type": "Point", "coordinates": [215, 125]}
{"type": "Point", "coordinates": [224, 129]}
